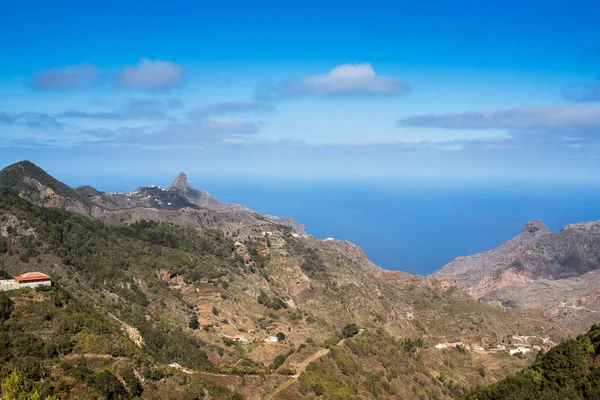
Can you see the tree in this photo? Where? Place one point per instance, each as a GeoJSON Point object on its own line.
{"type": "Point", "coordinates": [215, 311]}
{"type": "Point", "coordinates": [350, 330]}
{"type": "Point", "coordinates": [14, 388]}
{"type": "Point", "coordinates": [280, 336]}
{"type": "Point", "coordinates": [194, 324]}
{"type": "Point", "coordinates": [3, 245]}
{"type": "Point", "coordinates": [6, 307]}
{"type": "Point", "coordinates": [135, 387]}
{"type": "Point", "coordinates": [412, 346]}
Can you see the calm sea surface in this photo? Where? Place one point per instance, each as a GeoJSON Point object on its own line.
{"type": "Point", "coordinates": [416, 229]}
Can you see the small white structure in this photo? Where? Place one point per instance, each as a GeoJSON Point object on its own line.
{"type": "Point", "coordinates": [441, 346]}
{"type": "Point", "coordinates": [272, 339]}
{"type": "Point", "coordinates": [522, 350]}
{"type": "Point", "coordinates": [477, 347]}
{"type": "Point", "coordinates": [175, 365]}
{"type": "Point", "coordinates": [267, 233]}
{"type": "Point", "coordinates": [240, 339]}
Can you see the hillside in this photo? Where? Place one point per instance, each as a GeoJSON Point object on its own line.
{"type": "Point", "coordinates": [554, 275]}
{"type": "Point", "coordinates": [568, 371]}
{"type": "Point", "coordinates": [179, 202]}
{"type": "Point", "coordinates": [176, 289]}
{"type": "Point", "coordinates": [54, 346]}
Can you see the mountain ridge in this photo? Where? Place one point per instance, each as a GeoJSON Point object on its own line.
{"type": "Point", "coordinates": [34, 184]}
{"type": "Point", "coordinates": [555, 273]}
{"type": "Point", "coordinates": [185, 281]}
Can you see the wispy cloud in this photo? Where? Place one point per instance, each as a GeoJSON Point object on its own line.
{"type": "Point", "coordinates": [205, 132]}
{"type": "Point", "coordinates": [32, 120]}
{"type": "Point", "coordinates": [151, 75]}
{"type": "Point", "coordinates": [232, 107]}
{"type": "Point", "coordinates": [72, 77]}
{"type": "Point", "coordinates": [568, 118]}
{"type": "Point", "coordinates": [344, 80]}
{"type": "Point", "coordinates": [131, 109]}
{"type": "Point", "coordinates": [583, 92]}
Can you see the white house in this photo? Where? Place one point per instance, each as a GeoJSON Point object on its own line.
{"type": "Point", "coordinates": [522, 350]}
{"type": "Point", "coordinates": [441, 346]}
{"type": "Point", "coordinates": [272, 339]}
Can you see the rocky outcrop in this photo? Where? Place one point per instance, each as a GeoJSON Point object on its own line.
{"type": "Point", "coordinates": [179, 203]}
{"type": "Point", "coordinates": [471, 269]}
{"type": "Point", "coordinates": [551, 273]}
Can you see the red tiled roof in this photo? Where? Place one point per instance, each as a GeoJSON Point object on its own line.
{"type": "Point", "coordinates": [32, 276]}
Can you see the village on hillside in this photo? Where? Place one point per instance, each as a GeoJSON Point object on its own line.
{"type": "Point", "coordinates": [514, 345]}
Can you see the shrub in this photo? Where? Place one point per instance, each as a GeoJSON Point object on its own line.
{"type": "Point", "coordinates": [350, 330]}
{"type": "Point", "coordinates": [194, 324]}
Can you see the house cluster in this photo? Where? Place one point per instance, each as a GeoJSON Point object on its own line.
{"type": "Point", "coordinates": [29, 279]}
{"type": "Point", "coordinates": [446, 345]}
{"type": "Point", "coordinates": [237, 338]}
{"type": "Point", "coordinates": [520, 345]}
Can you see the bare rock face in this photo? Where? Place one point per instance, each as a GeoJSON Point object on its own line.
{"type": "Point", "coordinates": [536, 227]}
{"type": "Point", "coordinates": [180, 183]}
{"type": "Point", "coordinates": [539, 270]}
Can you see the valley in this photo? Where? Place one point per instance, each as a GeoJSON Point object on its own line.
{"type": "Point", "coordinates": [204, 285]}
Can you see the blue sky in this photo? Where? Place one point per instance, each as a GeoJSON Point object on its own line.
{"type": "Point", "coordinates": [426, 91]}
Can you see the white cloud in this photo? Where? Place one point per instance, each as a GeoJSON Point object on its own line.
{"type": "Point", "coordinates": [344, 80]}
{"type": "Point", "coordinates": [151, 75]}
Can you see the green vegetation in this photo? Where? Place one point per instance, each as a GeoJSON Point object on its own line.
{"type": "Point", "coordinates": [321, 382]}
{"type": "Point", "coordinates": [412, 346]}
{"type": "Point", "coordinates": [194, 324]}
{"type": "Point", "coordinates": [272, 302]}
{"type": "Point", "coordinates": [568, 371]}
{"type": "Point", "coordinates": [350, 330]}
{"type": "Point", "coordinates": [113, 259]}
{"type": "Point", "coordinates": [12, 177]}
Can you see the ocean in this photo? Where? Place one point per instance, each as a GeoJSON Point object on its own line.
{"type": "Point", "coordinates": [412, 228]}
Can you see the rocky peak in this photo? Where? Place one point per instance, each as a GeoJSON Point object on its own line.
{"type": "Point", "coordinates": [180, 182]}
{"type": "Point", "coordinates": [536, 227]}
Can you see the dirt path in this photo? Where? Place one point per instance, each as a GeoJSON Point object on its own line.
{"type": "Point", "coordinates": [302, 367]}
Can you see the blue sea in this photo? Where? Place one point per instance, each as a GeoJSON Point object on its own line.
{"type": "Point", "coordinates": [408, 227]}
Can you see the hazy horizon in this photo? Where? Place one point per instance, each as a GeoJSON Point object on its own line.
{"type": "Point", "coordinates": [326, 90]}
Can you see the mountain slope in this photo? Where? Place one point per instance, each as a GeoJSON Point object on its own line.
{"type": "Point", "coordinates": [158, 282]}
{"type": "Point", "coordinates": [34, 184]}
{"type": "Point", "coordinates": [568, 371]}
{"type": "Point", "coordinates": [553, 273]}
{"type": "Point", "coordinates": [178, 202]}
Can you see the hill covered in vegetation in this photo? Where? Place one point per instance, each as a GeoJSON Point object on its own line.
{"type": "Point", "coordinates": [207, 290]}
{"type": "Point", "coordinates": [569, 371]}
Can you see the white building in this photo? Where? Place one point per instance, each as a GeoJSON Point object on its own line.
{"type": "Point", "coordinates": [522, 350]}
{"type": "Point", "coordinates": [272, 339]}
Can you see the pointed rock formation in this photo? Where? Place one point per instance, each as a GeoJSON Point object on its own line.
{"type": "Point", "coordinates": [180, 183]}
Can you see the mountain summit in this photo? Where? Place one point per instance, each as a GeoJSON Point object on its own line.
{"type": "Point", "coordinates": [180, 183]}
{"type": "Point", "coordinates": [179, 202]}
{"type": "Point", "coordinates": [536, 227]}
{"type": "Point", "coordinates": [35, 184]}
